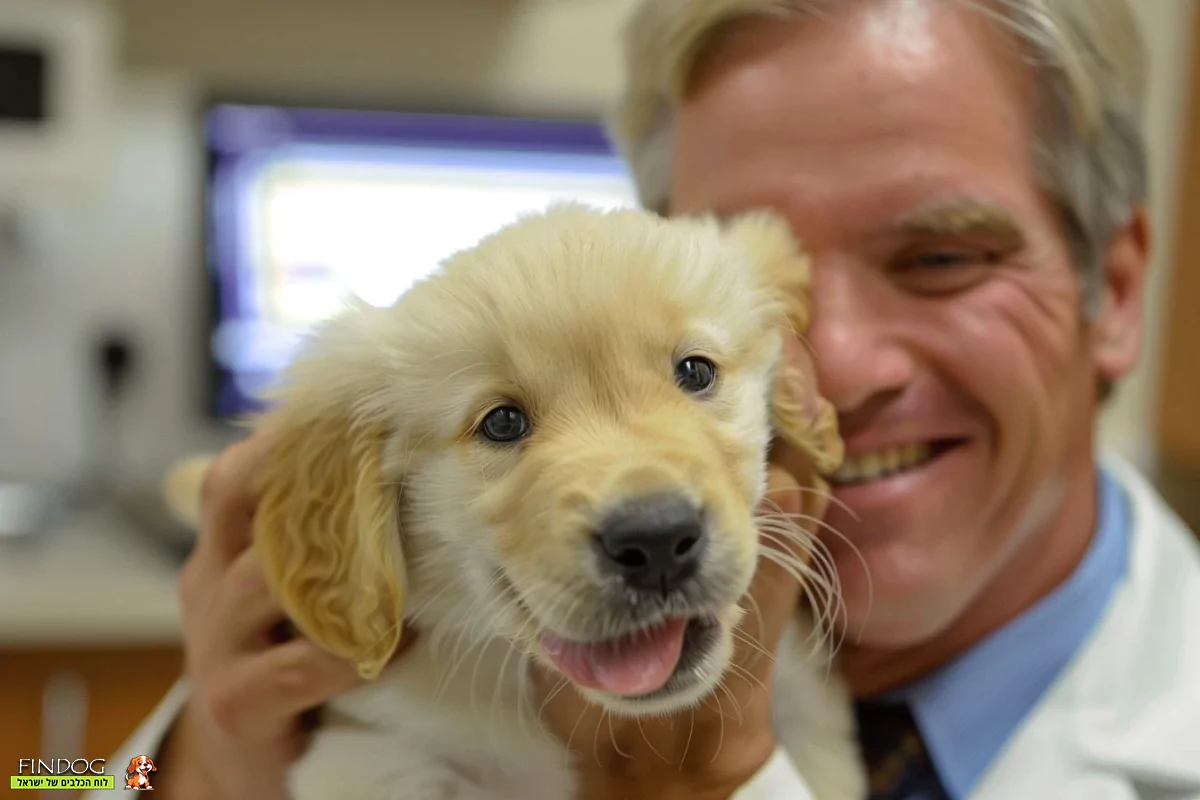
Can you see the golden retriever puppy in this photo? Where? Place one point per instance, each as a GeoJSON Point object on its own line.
{"type": "Point", "coordinates": [550, 450]}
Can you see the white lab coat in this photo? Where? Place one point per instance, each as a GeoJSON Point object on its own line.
{"type": "Point", "coordinates": [1121, 723]}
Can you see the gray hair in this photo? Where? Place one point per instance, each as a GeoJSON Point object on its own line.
{"type": "Point", "coordinates": [1087, 55]}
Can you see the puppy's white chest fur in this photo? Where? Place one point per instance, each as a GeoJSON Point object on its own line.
{"type": "Point", "coordinates": [433, 727]}
{"type": "Point", "coordinates": [430, 729]}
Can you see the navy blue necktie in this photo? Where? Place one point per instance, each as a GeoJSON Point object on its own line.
{"type": "Point", "coordinates": [895, 754]}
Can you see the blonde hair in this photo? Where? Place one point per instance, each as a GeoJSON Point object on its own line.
{"type": "Point", "coordinates": [1087, 56]}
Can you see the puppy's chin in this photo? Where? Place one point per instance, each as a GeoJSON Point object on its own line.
{"type": "Point", "coordinates": [704, 654]}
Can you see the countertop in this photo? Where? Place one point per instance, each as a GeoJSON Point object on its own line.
{"type": "Point", "coordinates": [92, 580]}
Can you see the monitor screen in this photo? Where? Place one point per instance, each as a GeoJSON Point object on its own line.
{"type": "Point", "coordinates": [307, 207]}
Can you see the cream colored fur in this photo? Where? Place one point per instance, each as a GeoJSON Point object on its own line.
{"type": "Point", "coordinates": [382, 503]}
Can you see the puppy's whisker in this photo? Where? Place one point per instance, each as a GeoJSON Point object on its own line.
{"type": "Point", "coordinates": [795, 517]}
{"type": "Point", "coordinates": [849, 544]}
{"type": "Point", "coordinates": [496, 690]}
{"type": "Point", "coordinates": [748, 676]}
{"type": "Point", "coordinates": [804, 575]}
{"type": "Point", "coordinates": [807, 573]}
{"type": "Point", "coordinates": [646, 739]}
{"type": "Point", "coordinates": [481, 645]}
{"type": "Point", "coordinates": [753, 644]}
{"type": "Point", "coordinates": [499, 612]}
{"type": "Point", "coordinates": [831, 498]}
{"type": "Point", "coordinates": [737, 707]}
{"type": "Point", "coordinates": [522, 701]}
{"type": "Point", "coordinates": [817, 550]}
{"type": "Point", "coordinates": [596, 736]}
{"type": "Point", "coordinates": [741, 634]}
{"type": "Point", "coordinates": [463, 624]}
{"type": "Point", "coordinates": [562, 683]}
{"type": "Point", "coordinates": [571, 737]}
{"type": "Point", "coordinates": [424, 607]}
{"type": "Point", "coordinates": [460, 656]}
{"type": "Point", "coordinates": [457, 654]}
{"type": "Point", "coordinates": [822, 594]}
{"type": "Point", "coordinates": [721, 716]}
{"type": "Point", "coordinates": [812, 351]}
{"type": "Point", "coordinates": [613, 736]}
{"type": "Point", "coordinates": [757, 610]}
{"type": "Point", "coordinates": [818, 587]}
{"type": "Point", "coordinates": [687, 745]}
{"type": "Point", "coordinates": [388, 632]}
{"type": "Point", "coordinates": [479, 661]}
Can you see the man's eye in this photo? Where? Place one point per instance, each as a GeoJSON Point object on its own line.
{"type": "Point", "coordinates": [944, 259]}
{"type": "Point", "coordinates": [943, 271]}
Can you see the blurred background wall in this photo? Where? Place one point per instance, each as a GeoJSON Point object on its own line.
{"type": "Point", "coordinates": [136, 236]}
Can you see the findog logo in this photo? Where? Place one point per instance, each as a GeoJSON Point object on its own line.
{"type": "Point", "coordinates": [69, 774]}
{"type": "Point", "coordinates": [137, 774]}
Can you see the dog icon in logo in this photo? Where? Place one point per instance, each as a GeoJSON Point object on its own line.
{"type": "Point", "coordinates": [137, 774]}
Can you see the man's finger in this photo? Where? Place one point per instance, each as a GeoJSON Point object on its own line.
{"type": "Point", "coordinates": [245, 599]}
{"type": "Point", "coordinates": [229, 497]}
{"type": "Point", "coordinates": [271, 688]}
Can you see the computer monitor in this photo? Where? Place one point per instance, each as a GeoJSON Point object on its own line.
{"type": "Point", "coordinates": [306, 207]}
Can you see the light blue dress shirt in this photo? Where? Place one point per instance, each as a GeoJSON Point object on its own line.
{"type": "Point", "coordinates": [968, 710]}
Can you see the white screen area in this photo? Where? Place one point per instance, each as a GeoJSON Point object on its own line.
{"type": "Point", "coordinates": [321, 225]}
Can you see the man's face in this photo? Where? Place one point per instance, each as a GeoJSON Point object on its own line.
{"type": "Point", "coordinates": [947, 323]}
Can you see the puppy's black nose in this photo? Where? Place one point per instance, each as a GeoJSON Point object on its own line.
{"type": "Point", "coordinates": [654, 541]}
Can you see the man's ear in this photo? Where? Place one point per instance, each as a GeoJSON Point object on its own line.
{"type": "Point", "coordinates": [1118, 314]}
{"type": "Point", "coordinates": [800, 416]}
{"type": "Point", "coordinates": [327, 524]}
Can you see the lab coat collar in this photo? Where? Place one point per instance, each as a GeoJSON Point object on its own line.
{"type": "Point", "coordinates": [1126, 712]}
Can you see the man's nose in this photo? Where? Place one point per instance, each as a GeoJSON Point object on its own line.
{"type": "Point", "coordinates": [857, 335]}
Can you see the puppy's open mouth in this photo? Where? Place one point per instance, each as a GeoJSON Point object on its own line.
{"type": "Point", "coordinates": [636, 664]}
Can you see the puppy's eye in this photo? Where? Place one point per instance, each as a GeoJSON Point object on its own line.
{"type": "Point", "coordinates": [695, 374]}
{"type": "Point", "coordinates": [505, 424]}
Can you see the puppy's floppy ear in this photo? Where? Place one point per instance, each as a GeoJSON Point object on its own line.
{"type": "Point", "coordinates": [327, 523]}
{"type": "Point", "coordinates": [800, 416]}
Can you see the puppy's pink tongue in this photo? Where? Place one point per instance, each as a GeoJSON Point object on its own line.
{"type": "Point", "coordinates": [636, 664]}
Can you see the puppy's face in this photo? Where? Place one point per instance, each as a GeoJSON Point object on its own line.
{"type": "Point", "coordinates": [559, 440]}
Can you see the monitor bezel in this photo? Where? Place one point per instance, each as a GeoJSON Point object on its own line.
{"type": "Point", "coordinates": [208, 285]}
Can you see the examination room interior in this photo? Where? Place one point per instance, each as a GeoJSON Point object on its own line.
{"type": "Point", "coordinates": [131, 216]}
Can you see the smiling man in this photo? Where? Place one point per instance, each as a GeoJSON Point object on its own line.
{"type": "Point", "coordinates": [948, 313]}
{"type": "Point", "coordinates": [1022, 613]}
{"type": "Point", "coordinates": [969, 177]}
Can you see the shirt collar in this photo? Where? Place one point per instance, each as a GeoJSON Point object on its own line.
{"type": "Point", "coordinates": [968, 710]}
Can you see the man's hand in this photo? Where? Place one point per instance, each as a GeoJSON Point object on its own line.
{"type": "Point", "coordinates": [250, 686]}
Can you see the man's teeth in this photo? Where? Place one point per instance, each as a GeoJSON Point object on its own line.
{"type": "Point", "coordinates": [881, 463]}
